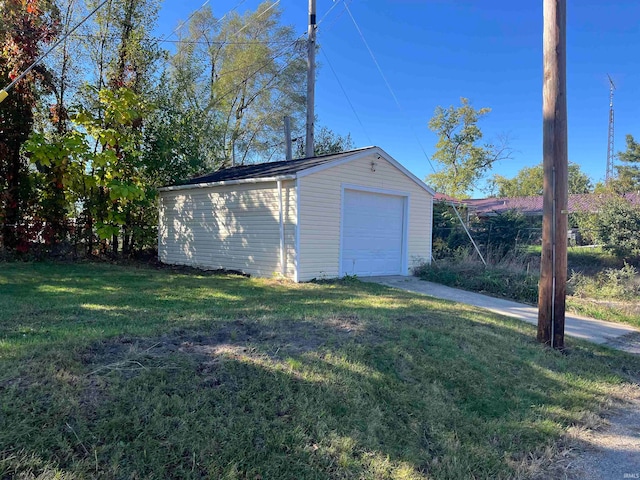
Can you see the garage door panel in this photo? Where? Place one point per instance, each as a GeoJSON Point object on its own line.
{"type": "Point", "coordinates": [373, 229]}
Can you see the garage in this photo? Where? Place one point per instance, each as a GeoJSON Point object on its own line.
{"type": "Point", "coordinates": [359, 212]}
{"type": "Point", "coordinates": [372, 233]}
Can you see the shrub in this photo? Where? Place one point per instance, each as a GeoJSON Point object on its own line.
{"type": "Point", "coordinates": [503, 233]}
{"type": "Point", "coordinates": [610, 283]}
{"type": "Point", "coordinates": [617, 228]}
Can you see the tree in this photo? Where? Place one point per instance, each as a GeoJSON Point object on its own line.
{"type": "Point", "coordinates": [502, 233]}
{"type": "Point", "coordinates": [464, 161]}
{"type": "Point", "coordinates": [628, 179]}
{"type": "Point", "coordinates": [617, 227]}
{"type": "Point", "coordinates": [178, 143]}
{"type": "Point", "coordinates": [52, 173]}
{"type": "Point", "coordinates": [243, 73]}
{"type": "Point", "coordinates": [326, 142]}
{"type": "Point", "coordinates": [125, 59]}
{"type": "Point", "coordinates": [25, 26]}
{"type": "Point", "coordinates": [528, 182]}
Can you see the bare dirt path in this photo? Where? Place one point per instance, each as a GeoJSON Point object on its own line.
{"type": "Point", "coordinates": [612, 451]}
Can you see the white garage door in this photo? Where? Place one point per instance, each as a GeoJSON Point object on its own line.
{"type": "Point", "coordinates": [372, 235]}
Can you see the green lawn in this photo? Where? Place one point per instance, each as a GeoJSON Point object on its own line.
{"type": "Point", "coordinates": [122, 372]}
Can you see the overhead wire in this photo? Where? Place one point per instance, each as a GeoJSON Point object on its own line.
{"type": "Point", "coordinates": [395, 98]}
{"type": "Point", "coordinates": [262, 13]}
{"type": "Point", "coordinates": [262, 65]}
{"type": "Point", "coordinates": [346, 96]}
{"type": "Point", "coordinates": [336, 18]}
{"type": "Point", "coordinates": [4, 92]}
{"type": "Point", "coordinates": [183, 23]}
{"type": "Point", "coordinates": [335, 4]}
{"type": "Point", "coordinates": [388, 85]}
{"type": "Point", "coordinates": [187, 42]}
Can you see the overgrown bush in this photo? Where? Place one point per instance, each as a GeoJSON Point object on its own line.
{"type": "Point", "coordinates": [585, 223]}
{"type": "Point", "coordinates": [610, 283]}
{"type": "Point", "coordinates": [448, 234]}
{"type": "Point", "coordinates": [496, 236]}
{"type": "Point", "coordinates": [515, 276]}
{"type": "Point", "coordinates": [502, 233]}
{"type": "Point", "coordinates": [618, 226]}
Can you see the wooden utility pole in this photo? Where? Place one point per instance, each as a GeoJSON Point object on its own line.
{"type": "Point", "coordinates": [553, 269]}
{"type": "Point", "coordinates": [311, 78]}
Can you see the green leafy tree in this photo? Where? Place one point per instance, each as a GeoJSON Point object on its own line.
{"type": "Point", "coordinates": [463, 159]}
{"type": "Point", "coordinates": [529, 182]}
{"type": "Point", "coordinates": [617, 226]}
{"type": "Point", "coordinates": [326, 141]}
{"type": "Point", "coordinates": [628, 178]}
{"type": "Point", "coordinates": [116, 108]}
{"type": "Point", "coordinates": [244, 73]}
{"type": "Point", "coordinates": [178, 142]}
{"type": "Point", "coordinates": [116, 165]}
{"type": "Point", "coordinates": [114, 169]}
{"type": "Point", "coordinates": [51, 122]}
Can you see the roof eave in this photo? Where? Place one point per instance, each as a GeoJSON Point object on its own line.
{"type": "Point", "coordinates": [226, 183]}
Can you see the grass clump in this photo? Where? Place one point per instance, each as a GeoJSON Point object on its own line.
{"type": "Point", "coordinates": [610, 283]}
{"type": "Point", "coordinates": [120, 372]}
{"type": "Point", "coordinates": [512, 276]}
{"type": "Point", "coordinates": [600, 285]}
{"type": "Point", "coordinates": [610, 294]}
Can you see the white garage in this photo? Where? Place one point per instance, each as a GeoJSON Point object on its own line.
{"type": "Point", "coordinates": [354, 213]}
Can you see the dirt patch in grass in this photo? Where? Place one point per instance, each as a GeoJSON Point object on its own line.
{"type": "Point", "coordinates": [131, 354]}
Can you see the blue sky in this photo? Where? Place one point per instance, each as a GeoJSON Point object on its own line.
{"type": "Point", "coordinates": [433, 52]}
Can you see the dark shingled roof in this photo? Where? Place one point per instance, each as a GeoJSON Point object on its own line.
{"type": "Point", "coordinates": [270, 169]}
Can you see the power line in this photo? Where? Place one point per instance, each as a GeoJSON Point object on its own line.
{"type": "Point", "coordinates": [187, 42]}
{"type": "Point", "coordinates": [182, 24]}
{"type": "Point", "coordinates": [164, 62]}
{"type": "Point", "coordinates": [335, 19]}
{"type": "Point", "coordinates": [393, 95]}
{"type": "Point", "coordinates": [335, 4]}
{"type": "Point", "coordinates": [346, 96]}
{"type": "Point", "coordinates": [262, 13]}
{"type": "Point", "coordinates": [5, 90]}
{"type": "Point", "coordinates": [395, 98]}
{"type": "Point", "coordinates": [261, 66]}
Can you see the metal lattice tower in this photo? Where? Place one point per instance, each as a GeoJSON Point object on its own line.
{"type": "Point", "coordinates": [610, 150]}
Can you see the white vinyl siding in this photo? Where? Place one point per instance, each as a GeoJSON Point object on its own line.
{"type": "Point", "coordinates": [320, 206]}
{"type": "Point", "coordinates": [232, 227]}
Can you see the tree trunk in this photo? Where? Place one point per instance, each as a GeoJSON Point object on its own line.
{"type": "Point", "coordinates": [12, 200]}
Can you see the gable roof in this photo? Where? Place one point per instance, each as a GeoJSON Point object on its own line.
{"type": "Point", "coordinates": [584, 202]}
{"type": "Point", "coordinates": [288, 170]}
{"type": "Point", "coordinates": [270, 169]}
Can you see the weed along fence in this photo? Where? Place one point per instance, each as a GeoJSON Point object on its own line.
{"type": "Point", "coordinates": [499, 234]}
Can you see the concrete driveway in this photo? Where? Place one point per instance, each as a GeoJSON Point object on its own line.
{"type": "Point", "coordinates": [615, 335]}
